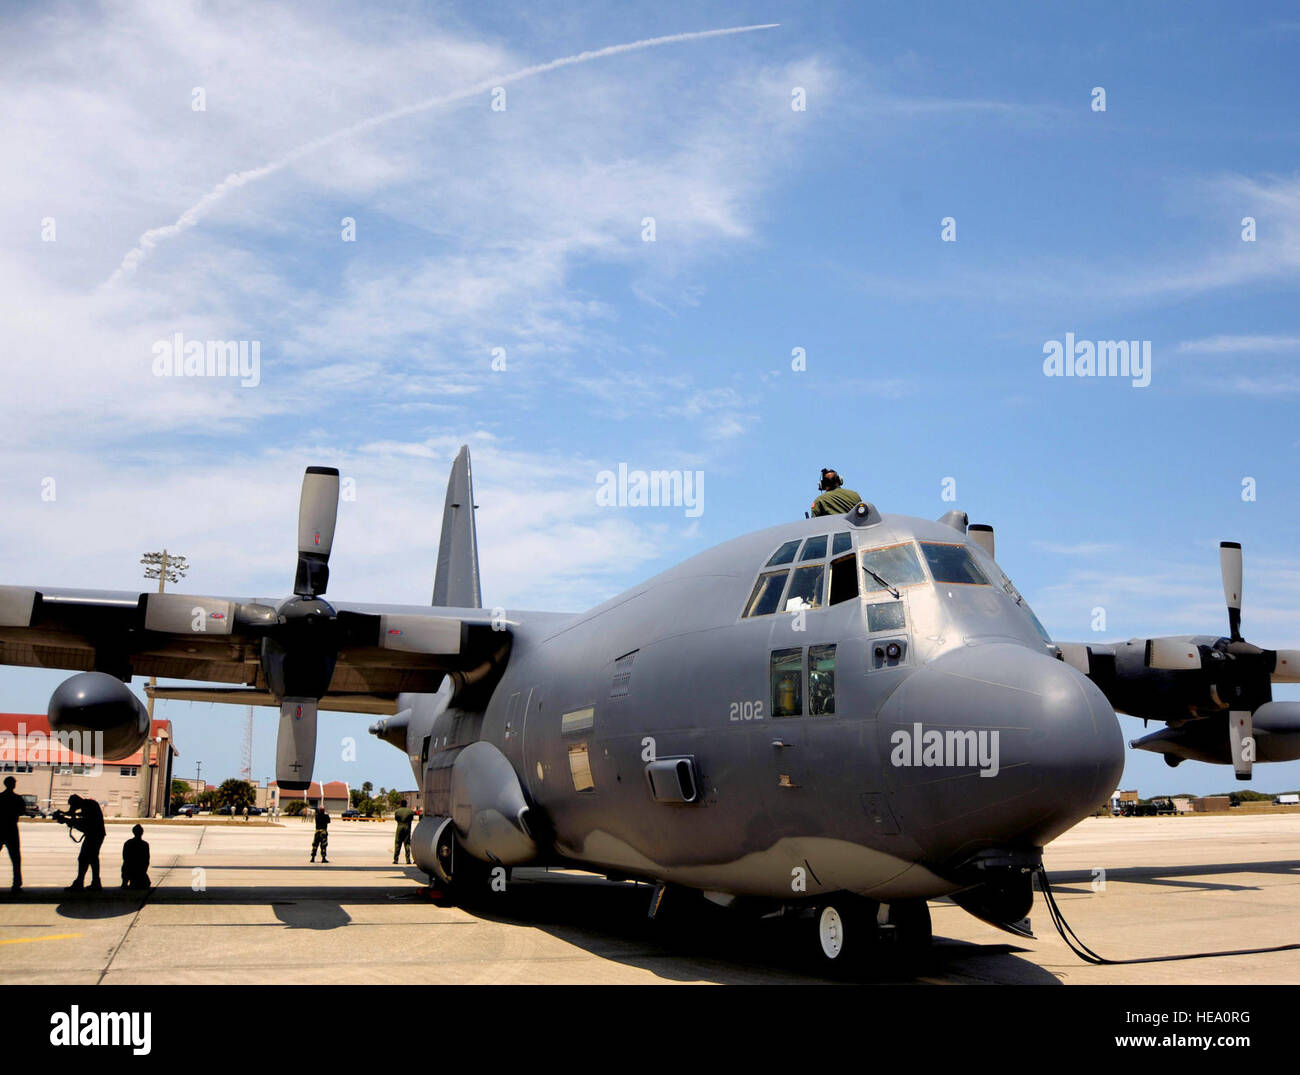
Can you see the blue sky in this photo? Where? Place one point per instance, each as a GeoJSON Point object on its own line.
{"type": "Point", "coordinates": [775, 229]}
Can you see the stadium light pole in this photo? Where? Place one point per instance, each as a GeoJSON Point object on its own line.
{"type": "Point", "coordinates": [165, 567]}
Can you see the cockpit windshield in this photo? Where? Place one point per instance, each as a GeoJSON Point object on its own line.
{"type": "Point", "coordinates": [953, 564]}
{"type": "Point", "coordinates": [897, 565]}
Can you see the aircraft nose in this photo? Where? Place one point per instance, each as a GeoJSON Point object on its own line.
{"type": "Point", "coordinates": [996, 745]}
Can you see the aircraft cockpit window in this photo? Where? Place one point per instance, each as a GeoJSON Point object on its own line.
{"type": "Point", "coordinates": [767, 594]}
{"type": "Point", "coordinates": [843, 543]}
{"type": "Point", "coordinates": [886, 616]}
{"type": "Point", "coordinates": [896, 564]}
{"type": "Point", "coordinates": [1038, 626]}
{"type": "Point", "coordinates": [805, 588]}
{"type": "Point", "coordinates": [821, 680]}
{"type": "Point", "coordinates": [952, 564]}
{"type": "Point", "coordinates": [814, 548]}
{"type": "Point", "coordinates": [787, 682]}
{"type": "Point", "coordinates": [783, 555]}
{"type": "Point", "coordinates": [844, 580]}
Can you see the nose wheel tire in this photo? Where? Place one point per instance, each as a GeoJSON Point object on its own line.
{"type": "Point", "coordinates": [910, 920]}
{"type": "Point", "coordinates": [845, 934]}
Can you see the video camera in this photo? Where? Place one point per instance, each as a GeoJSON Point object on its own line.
{"type": "Point", "coordinates": [61, 817]}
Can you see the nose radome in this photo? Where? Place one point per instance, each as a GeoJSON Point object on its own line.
{"type": "Point", "coordinates": [1048, 749]}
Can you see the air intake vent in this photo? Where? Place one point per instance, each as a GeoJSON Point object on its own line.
{"type": "Point", "coordinates": [672, 780]}
{"type": "Point", "coordinates": [622, 676]}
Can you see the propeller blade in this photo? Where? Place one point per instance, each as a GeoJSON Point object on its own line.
{"type": "Point", "coordinates": [295, 747]}
{"type": "Point", "coordinates": [1172, 654]}
{"type": "Point", "coordinates": [1230, 568]}
{"type": "Point", "coordinates": [1287, 668]}
{"type": "Point", "coordinates": [1241, 739]}
{"type": "Point", "coordinates": [318, 510]}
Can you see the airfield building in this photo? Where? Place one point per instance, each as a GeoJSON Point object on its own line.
{"type": "Point", "coordinates": [46, 768]}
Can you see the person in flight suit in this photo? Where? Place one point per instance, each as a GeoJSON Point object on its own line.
{"type": "Point", "coordinates": [11, 809]}
{"type": "Point", "coordinates": [403, 815]}
{"type": "Point", "coordinates": [835, 499]}
{"type": "Point", "coordinates": [322, 837]}
{"type": "Point", "coordinates": [85, 814]}
{"type": "Point", "coordinates": [135, 860]}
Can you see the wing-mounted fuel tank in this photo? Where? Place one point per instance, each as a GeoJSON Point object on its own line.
{"type": "Point", "coordinates": [485, 808]}
{"type": "Point", "coordinates": [102, 708]}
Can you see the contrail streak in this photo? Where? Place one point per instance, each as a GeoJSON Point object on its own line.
{"type": "Point", "coordinates": [235, 180]}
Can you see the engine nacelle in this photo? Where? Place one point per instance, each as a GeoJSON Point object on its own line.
{"type": "Point", "coordinates": [106, 708]}
{"type": "Point", "coordinates": [1276, 730]}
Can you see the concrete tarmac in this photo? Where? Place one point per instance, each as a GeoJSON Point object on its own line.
{"type": "Point", "coordinates": [244, 905]}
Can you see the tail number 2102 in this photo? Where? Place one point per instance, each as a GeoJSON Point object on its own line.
{"type": "Point", "coordinates": [747, 710]}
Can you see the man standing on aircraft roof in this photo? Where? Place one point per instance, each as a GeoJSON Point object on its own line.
{"type": "Point", "coordinates": [322, 837]}
{"type": "Point", "coordinates": [403, 816]}
{"type": "Point", "coordinates": [835, 499]}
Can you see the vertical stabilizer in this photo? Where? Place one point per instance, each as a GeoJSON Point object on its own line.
{"type": "Point", "coordinates": [456, 582]}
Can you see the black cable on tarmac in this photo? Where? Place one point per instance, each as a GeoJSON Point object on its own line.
{"type": "Point", "coordinates": [1089, 956]}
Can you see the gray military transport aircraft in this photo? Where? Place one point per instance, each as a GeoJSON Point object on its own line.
{"type": "Point", "coordinates": [838, 717]}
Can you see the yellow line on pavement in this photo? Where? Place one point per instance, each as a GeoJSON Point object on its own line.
{"type": "Point", "coordinates": [51, 937]}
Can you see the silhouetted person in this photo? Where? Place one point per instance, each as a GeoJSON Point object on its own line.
{"type": "Point", "coordinates": [85, 815]}
{"type": "Point", "coordinates": [135, 860]}
{"type": "Point", "coordinates": [403, 815]}
{"type": "Point", "coordinates": [322, 837]}
{"type": "Point", "coordinates": [12, 808]}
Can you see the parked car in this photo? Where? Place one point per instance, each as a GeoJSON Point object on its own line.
{"type": "Point", "coordinates": [32, 807]}
{"type": "Point", "coordinates": [349, 814]}
{"type": "Point", "coordinates": [188, 810]}
{"type": "Point", "coordinates": [227, 811]}
{"type": "Point", "coordinates": [255, 811]}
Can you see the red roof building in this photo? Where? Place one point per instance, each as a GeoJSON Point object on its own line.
{"type": "Point", "coordinates": [50, 767]}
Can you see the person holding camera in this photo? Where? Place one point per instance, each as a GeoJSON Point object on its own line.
{"type": "Point", "coordinates": [85, 816]}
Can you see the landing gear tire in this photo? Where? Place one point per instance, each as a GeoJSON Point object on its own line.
{"type": "Point", "coordinates": [472, 880]}
{"type": "Point", "coordinates": [910, 920]}
{"type": "Point", "coordinates": [846, 935]}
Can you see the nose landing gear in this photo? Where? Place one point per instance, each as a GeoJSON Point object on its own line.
{"type": "Point", "coordinates": [854, 936]}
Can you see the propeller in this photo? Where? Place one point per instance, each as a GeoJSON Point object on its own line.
{"type": "Point", "coordinates": [302, 637]}
{"type": "Point", "coordinates": [1241, 672]}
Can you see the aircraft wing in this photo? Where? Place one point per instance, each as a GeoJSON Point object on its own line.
{"type": "Point", "coordinates": [381, 650]}
{"type": "Point", "coordinates": [300, 654]}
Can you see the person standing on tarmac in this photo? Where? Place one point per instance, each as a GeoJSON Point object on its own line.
{"type": "Point", "coordinates": [322, 837]}
{"type": "Point", "coordinates": [403, 815]}
{"type": "Point", "coordinates": [85, 814]}
{"type": "Point", "coordinates": [11, 809]}
{"type": "Point", "coordinates": [835, 499]}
